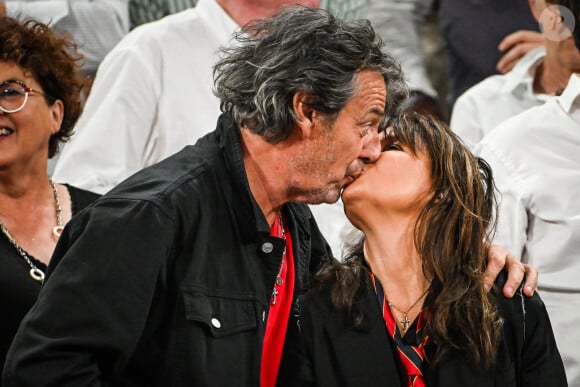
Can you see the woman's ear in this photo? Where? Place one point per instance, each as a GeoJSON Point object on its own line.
{"type": "Point", "coordinates": [57, 115]}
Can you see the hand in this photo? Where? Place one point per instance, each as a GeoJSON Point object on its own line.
{"type": "Point", "coordinates": [516, 45]}
{"type": "Point", "coordinates": [498, 259]}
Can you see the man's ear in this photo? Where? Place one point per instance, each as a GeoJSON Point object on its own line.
{"type": "Point", "coordinates": [305, 113]}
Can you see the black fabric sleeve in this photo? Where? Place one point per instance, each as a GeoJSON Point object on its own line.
{"type": "Point", "coordinates": [91, 312]}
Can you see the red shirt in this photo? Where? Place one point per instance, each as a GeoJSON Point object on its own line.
{"type": "Point", "coordinates": [279, 313]}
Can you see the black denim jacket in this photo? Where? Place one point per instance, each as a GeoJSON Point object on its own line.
{"type": "Point", "coordinates": [164, 281]}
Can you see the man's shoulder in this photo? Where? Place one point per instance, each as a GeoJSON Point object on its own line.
{"type": "Point", "coordinates": [187, 170]}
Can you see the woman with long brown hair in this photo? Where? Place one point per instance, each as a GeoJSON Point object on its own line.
{"type": "Point", "coordinates": [408, 306]}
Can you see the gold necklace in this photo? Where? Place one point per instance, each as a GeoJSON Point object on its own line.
{"type": "Point", "coordinates": [405, 320]}
{"type": "Point", "coordinates": [35, 273]}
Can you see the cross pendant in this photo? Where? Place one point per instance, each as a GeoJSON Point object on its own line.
{"type": "Point", "coordinates": [405, 322]}
{"type": "Point", "coordinates": [274, 294]}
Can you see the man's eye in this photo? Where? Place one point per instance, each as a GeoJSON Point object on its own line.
{"type": "Point", "coordinates": [368, 129]}
{"type": "Point", "coordinates": [365, 130]}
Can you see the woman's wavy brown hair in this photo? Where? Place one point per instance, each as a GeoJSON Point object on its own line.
{"type": "Point", "coordinates": [53, 61]}
{"type": "Point", "coordinates": [452, 236]}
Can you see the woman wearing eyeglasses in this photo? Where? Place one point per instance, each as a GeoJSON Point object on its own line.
{"type": "Point", "coordinates": [408, 307]}
{"type": "Point", "coordinates": [39, 104]}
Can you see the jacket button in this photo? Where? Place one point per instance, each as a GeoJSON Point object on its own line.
{"type": "Point", "coordinates": [216, 323]}
{"type": "Point", "coordinates": [267, 247]}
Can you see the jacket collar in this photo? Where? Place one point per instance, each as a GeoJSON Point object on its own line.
{"type": "Point", "coordinates": [250, 219]}
{"type": "Point", "coordinates": [570, 98]}
{"type": "Point", "coordinates": [520, 80]}
{"type": "Point", "coordinates": [368, 341]}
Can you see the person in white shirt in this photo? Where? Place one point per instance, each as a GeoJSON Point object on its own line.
{"type": "Point", "coordinates": [536, 78]}
{"type": "Point", "coordinates": [95, 25]}
{"type": "Point", "coordinates": [535, 157]}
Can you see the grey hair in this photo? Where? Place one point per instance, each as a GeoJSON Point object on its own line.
{"type": "Point", "coordinates": [300, 49]}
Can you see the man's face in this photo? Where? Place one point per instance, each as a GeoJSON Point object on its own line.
{"type": "Point", "coordinates": [335, 155]}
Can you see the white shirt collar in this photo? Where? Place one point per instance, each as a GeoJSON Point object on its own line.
{"type": "Point", "coordinates": [220, 19]}
{"type": "Point", "coordinates": [522, 75]}
{"type": "Point", "coordinates": [571, 94]}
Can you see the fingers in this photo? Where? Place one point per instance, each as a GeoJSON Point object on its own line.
{"type": "Point", "coordinates": [531, 283]}
{"type": "Point", "coordinates": [509, 60]}
{"type": "Point", "coordinates": [516, 272]}
{"type": "Point", "coordinates": [496, 261]}
{"type": "Point", "coordinates": [519, 37]}
{"type": "Point", "coordinates": [515, 46]}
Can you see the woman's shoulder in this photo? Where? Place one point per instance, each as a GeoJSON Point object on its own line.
{"type": "Point", "coordinates": [519, 305]}
{"type": "Point", "coordinates": [525, 319]}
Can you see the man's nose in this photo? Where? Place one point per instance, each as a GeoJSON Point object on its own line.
{"type": "Point", "coordinates": [371, 147]}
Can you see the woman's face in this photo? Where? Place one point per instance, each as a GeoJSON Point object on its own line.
{"type": "Point", "coordinates": [24, 134]}
{"type": "Point", "coordinates": [398, 183]}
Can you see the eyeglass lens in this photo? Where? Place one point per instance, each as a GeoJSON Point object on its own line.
{"type": "Point", "coordinates": [13, 96]}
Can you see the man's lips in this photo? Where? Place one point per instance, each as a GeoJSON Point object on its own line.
{"type": "Point", "coordinates": [351, 178]}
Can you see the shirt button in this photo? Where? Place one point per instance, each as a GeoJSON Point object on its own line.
{"type": "Point", "coordinates": [216, 323]}
{"type": "Point", "coordinates": [267, 247]}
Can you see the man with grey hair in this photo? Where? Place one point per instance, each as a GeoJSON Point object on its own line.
{"type": "Point", "coordinates": [186, 273]}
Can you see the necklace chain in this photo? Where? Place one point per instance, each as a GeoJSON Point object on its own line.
{"type": "Point", "coordinates": [405, 320]}
{"type": "Point", "coordinates": [279, 280]}
{"type": "Point", "coordinates": [35, 273]}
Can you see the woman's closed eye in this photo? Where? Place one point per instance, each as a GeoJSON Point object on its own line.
{"type": "Point", "coordinates": [389, 146]}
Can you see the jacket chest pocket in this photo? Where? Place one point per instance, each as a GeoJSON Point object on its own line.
{"type": "Point", "coordinates": [217, 342]}
{"type": "Point", "coordinates": [221, 316]}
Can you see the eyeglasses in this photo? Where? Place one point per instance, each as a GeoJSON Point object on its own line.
{"type": "Point", "coordinates": [14, 95]}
